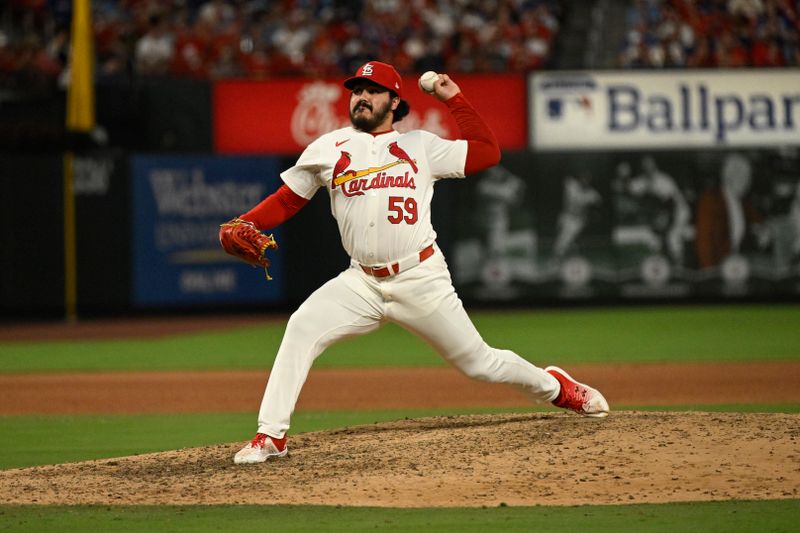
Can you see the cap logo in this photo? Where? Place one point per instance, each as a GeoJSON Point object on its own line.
{"type": "Point", "coordinates": [366, 70]}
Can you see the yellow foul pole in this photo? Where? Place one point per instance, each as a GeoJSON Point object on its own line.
{"type": "Point", "coordinates": [80, 119]}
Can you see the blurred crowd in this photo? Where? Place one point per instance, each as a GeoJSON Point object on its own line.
{"type": "Point", "coordinates": [712, 34]}
{"type": "Point", "coordinates": [210, 39]}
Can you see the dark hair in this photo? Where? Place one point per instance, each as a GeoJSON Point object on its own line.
{"type": "Point", "coordinates": [402, 110]}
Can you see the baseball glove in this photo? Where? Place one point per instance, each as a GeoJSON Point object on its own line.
{"type": "Point", "coordinates": [242, 239]}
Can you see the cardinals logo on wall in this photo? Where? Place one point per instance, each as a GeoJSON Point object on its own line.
{"type": "Point", "coordinates": [355, 182]}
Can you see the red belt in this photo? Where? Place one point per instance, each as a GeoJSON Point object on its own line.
{"type": "Point", "coordinates": [394, 268]}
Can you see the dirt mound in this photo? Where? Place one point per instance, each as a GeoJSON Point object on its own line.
{"type": "Point", "coordinates": [486, 460]}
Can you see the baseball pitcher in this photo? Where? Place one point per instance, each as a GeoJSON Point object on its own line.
{"type": "Point", "coordinates": [380, 183]}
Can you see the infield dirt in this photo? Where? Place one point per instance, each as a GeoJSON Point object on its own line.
{"type": "Point", "coordinates": [549, 458]}
{"type": "Point", "coordinates": [481, 460]}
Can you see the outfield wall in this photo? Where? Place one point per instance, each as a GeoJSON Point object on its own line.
{"type": "Point", "coordinates": [614, 187]}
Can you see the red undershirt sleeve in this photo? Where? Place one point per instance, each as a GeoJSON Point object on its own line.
{"type": "Point", "coordinates": [276, 208]}
{"type": "Point", "coordinates": [482, 149]}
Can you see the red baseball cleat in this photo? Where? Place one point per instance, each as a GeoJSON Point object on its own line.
{"type": "Point", "coordinates": [261, 448]}
{"type": "Point", "coordinates": [578, 397]}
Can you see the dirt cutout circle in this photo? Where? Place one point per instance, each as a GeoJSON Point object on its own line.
{"type": "Point", "coordinates": [459, 461]}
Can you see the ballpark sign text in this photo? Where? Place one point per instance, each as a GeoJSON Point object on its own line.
{"type": "Point", "coordinates": [587, 110]}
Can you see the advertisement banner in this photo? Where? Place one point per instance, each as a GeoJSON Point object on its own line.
{"type": "Point", "coordinates": [710, 223]}
{"type": "Point", "coordinates": [178, 204]}
{"type": "Point", "coordinates": [661, 110]}
{"type": "Point", "coordinates": [284, 116]}
{"type": "Point", "coordinates": [535, 227]}
{"type": "Point", "coordinates": [629, 224]}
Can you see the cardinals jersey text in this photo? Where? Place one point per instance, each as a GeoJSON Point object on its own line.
{"type": "Point", "coordinates": [377, 183]}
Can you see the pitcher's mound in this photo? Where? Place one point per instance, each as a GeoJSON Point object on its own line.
{"type": "Point", "coordinates": [485, 460]}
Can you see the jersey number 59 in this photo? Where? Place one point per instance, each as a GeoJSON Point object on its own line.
{"type": "Point", "coordinates": [402, 209]}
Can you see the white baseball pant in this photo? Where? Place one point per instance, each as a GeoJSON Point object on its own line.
{"type": "Point", "coordinates": [422, 300]}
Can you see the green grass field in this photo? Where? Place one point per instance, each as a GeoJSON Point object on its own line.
{"type": "Point", "coordinates": [740, 516]}
{"type": "Point", "coordinates": [746, 333]}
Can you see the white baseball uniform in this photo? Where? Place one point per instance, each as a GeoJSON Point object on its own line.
{"type": "Point", "coordinates": [381, 187]}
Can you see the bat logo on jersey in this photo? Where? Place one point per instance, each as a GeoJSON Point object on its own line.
{"type": "Point", "coordinates": [355, 182]}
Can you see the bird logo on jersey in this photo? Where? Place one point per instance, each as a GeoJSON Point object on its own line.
{"type": "Point", "coordinates": [341, 165]}
{"type": "Point", "coordinates": [401, 154]}
{"type": "Point", "coordinates": [355, 182]}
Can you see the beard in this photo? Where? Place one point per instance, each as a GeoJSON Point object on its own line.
{"type": "Point", "coordinates": [366, 122]}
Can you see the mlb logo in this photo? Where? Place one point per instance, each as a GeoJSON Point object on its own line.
{"type": "Point", "coordinates": [555, 108]}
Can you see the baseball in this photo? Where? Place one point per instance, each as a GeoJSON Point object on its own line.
{"type": "Point", "coordinates": [427, 80]}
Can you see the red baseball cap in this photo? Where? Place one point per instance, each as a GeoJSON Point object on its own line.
{"type": "Point", "coordinates": [382, 74]}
